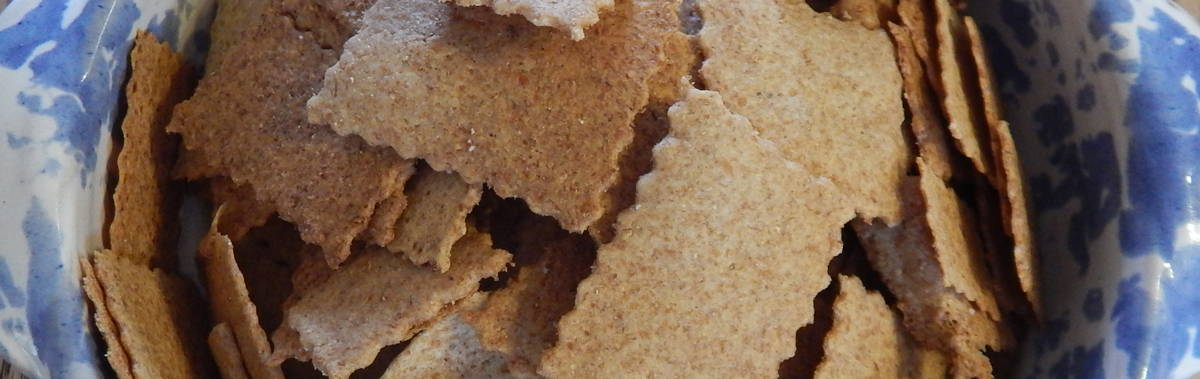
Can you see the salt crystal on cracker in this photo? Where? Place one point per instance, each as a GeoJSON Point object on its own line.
{"type": "Point", "coordinates": [500, 101]}
{"type": "Point", "coordinates": [925, 121]}
{"type": "Point", "coordinates": [571, 16]}
{"type": "Point", "coordinates": [450, 348]}
{"type": "Point", "coordinates": [144, 201]}
{"type": "Point", "coordinates": [872, 14]}
{"type": "Point", "coordinates": [247, 119]}
{"type": "Point", "coordinates": [225, 352]}
{"type": "Point", "coordinates": [145, 305]}
{"type": "Point", "coordinates": [380, 298]}
{"type": "Point", "coordinates": [230, 302]}
{"type": "Point", "coordinates": [958, 89]}
{"type": "Point", "coordinates": [714, 268]}
{"type": "Point", "coordinates": [381, 230]}
{"type": "Point", "coordinates": [827, 92]}
{"type": "Point", "coordinates": [436, 217]}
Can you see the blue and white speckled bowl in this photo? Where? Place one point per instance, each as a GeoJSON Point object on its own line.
{"type": "Point", "coordinates": [1101, 94]}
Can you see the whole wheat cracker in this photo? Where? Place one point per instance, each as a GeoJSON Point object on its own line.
{"type": "Point", "coordinates": [682, 55]}
{"type": "Point", "coordinates": [144, 200]}
{"type": "Point", "coordinates": [326, 184]}
{"type": "Point", "coordinates": [925, 120]}
{"type": "Point", "coordinates": [956, 242]}
{"type": "Point", "coordinates": [520, 320]}
{"type": "Point", "coordinates": [224, 348]}
{"type": "Point", "coordinates": [115, 352]}
{"type": "Point", "coordinates": [155, 315]}
{"type": "Point", "coordinates": [231, 304]}
{"type": "Point", "coordinates": [1009, 179]}
{"type": "Point", "coordinates": [234, 20]}
{"type": "Point", "coordinates": [241, 211]}
{"type": "Point", "coordinates": [266, 256]}
{"type": "Point", "coordinates": [379, 299]}
{"type": "Point", "coordinates": [723, 251]}
{"type": "Point", "coordinates": [436, 217]}
{"type": "Point", "coordinates": [649, 127]}
{"type": "Point", "coordinates": [381, 230]}
{"type": "Point", "coordinates": [914, 15]}
{"type": "Point", "coordinates": [449, 348]}
{"type": "Point", "coordinates": [957, 89]}
{"type": "Point", "coordinates": [868, 340]}
{"type": "Point", "coordinates": [871, 14]}
{"type": "Point", "coordinates": [846, 103]}
{"type": "Point", "coordinates": [571, 16]}
{"type": "Point", "coordinates": [514, 126]}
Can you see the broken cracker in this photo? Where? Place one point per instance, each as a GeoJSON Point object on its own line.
{"type": "Point", "coordinates": [713, 254]}
{"type": "Point", "coordinates": [143, 227]}
{"type": "Point", "coordinates": [827, 92]}
{"type": "Point", "coordinates": [326, 184]}
{"type": "Point", "coordinates": [436, 217]}
{"type": "Point", "coordinates": [450, 348]}
{"type": "Point", "coordinates": [682, 56]}
{"type": "Point", "coordinates": [379, 299]}
{"type": "Point", "coordinates": [514, 126]}
{"type": "Point", "coordinates": [381, 230]}
{"type": "Point", "coordinates": [571, 16]}
{"type": "Point", "coordinates": [225, 352]}
{"type": "Point", "coordinates": [118, 357]}
{"type": "Point", "coordinates": [145, 305]}
{"type": "Point", "coordinates": [872, 14]}
{"type": "Point", "coordinates": [957, 89]}
{"type": "Point", "coordinates": [868, 340]}
{"type": "Point", "coordinates": [928, 129]}
{"type": "Point", "coordinates": [230, 302]}
{"type": "Point", "coordinates": [650, 127]}
{"type": "Point", "coordinates": [913, 15]}
{"type": "Point", "coordinates": [234, 20]}
{"type": "Point", "coordinates": [241, 211]}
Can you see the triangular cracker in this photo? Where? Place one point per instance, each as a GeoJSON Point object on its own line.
{"type": "Point", "coordinates": [225, 352]}
{"type": "Point", "coordinates": [144, 202]}
{"type": "Point", "coordinates": [156, 318]}
{"type": "Point", "coordinates": [436, 217]}
{"type": "Point", "coordinates": [488, 99]}
{"type": "Point", "coordinates": [716, 265]}
{"type": "Point", "coordinates": [379, 299]}
{"type": "Point", "coordinates": [231, 304]}
{"type": "Point", "coordinates": [247, 119]}
{"type": "Point", "coordinates": [571, 16]}
{"type": "Point", "coordinates": [827, 92]}
{"type": "Point", "coordinates": [450, 348]}
{"type": "Point", "coordinates": [958, 89]}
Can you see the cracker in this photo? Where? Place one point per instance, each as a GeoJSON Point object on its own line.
{"type": "Point", "coordinates": [956, 242]}
{"type": "Point", "coordinates": [155, 318]}
{"type": "Point", "coordinates": [872, 14]}
{"type": "Point", "coordinates": [498, 100]}
{"type": "Point", "coordinates": [379, 299]}
{"type": "Point", "coordinates": [913, 15]}
{"type": "Point", "coordinates": [571, 16]}
{"type": "Point", "coordinates": [230, 302]}
{"type": "Point", "coordinates": [116, 353]}
{"type": "Point", "coordinates": [241, 211]}
{"type": "Point", "coordinates": [436, 217]}
{"type": "Point", "coordinates": [925, 121]}
{"type": "Point", "coordinates": [450, 348]}
{"type": "Point", "coordinates": [326, 184]}
{"type": "Point", "coordinates": [144, 201]}
{"type": "Point", "coordinates": [520, 319]}
{"type": "Point", "coordinates": [867, 339]}
{"type": "Point", "coordinates": [841, 118]}
{"type": "Point", "coordinates": [381, 230]}
{"type": "Point", "coordinates": [650, 127]}
{"type": "Point", "coordinates": [233, 20]}
{"type": "Point", "coordinates": [957, 88]}
{"type": "Point", "coordinates": [715, 268]}
{"type": "Point", "coordinates": [225, 352]}
{"type": "Point", "coordinates": [1010, 181]}
{"type": "Point", "coordinates": [682, 55]}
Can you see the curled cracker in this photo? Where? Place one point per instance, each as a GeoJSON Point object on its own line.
{"type": "Point", "coordinates": [514, 125]}
{"type": "Point", "coordinates": [713, 254]}
{"type": "Point", "coordinates": [436, 217]}
{"type": "Point", "coordinates": [957, 89]}
{"type": "Point", "coordinates": [225, 352]}
{"type": "Point", "coordinates": [846, 103]}
{"type": "Point", "coordinates": [326, 184]}
{"type": "Point", "coordinates": [379, 299]}
{"type": "Point", "coordinates": [571, 16]}
{"type": "Point", "coordinates": [144, 201]}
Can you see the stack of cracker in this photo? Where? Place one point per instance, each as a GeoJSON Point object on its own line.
{"type": "Point", "coordinates": [571, 188]}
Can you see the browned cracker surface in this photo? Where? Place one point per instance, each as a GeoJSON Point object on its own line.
{"type": "Point", "coordinates": [156, 317]}
{"type": "Point", "coordinates": [143, 227]}
{"type": "Point", "coordinates": [925, 121]}
{"type": "Point", "coordinates": [535, 97]}
{"type": "Point", "coordinates": [231, 304]}
{"type": "Point", "coordinates": [380, 298]}
{"type": "Point", "coordinates": [449, 348]}
{"type": "Point", "coordinates": [436, 217]}
{"type": "Point", "coordinates": [381, 230]}
{"type": "Point", "coordinates": [247, 119]}
{"type": "Point", "coordinates": [868, 340]}
{"type": "Point", "coordinates": [957, 88]}
{"type": "Point", "coordinates": [571, 16]}
{"type": "Point", "coordinates": [225, 352]}
{"type": "Point", "coordinates": [827, 92]}
{"type": "Point", "coordinates": [520, 319]}
{"type": "Point", "coordinates": [234, 19]}
{"type": "Point", "coordinates": [711, 271]}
